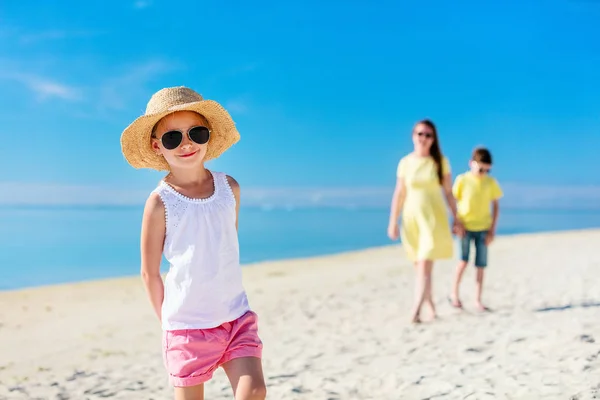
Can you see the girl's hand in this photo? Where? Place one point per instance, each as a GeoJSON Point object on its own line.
{"type": "Point", "coordinates": [393, 231]}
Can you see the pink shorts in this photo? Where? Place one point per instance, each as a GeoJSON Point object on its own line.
{"type": "Point", "coordinates": [192, 355]}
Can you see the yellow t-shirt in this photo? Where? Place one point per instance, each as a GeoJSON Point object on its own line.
{"type": "Point", "coordinates": [474, 196]}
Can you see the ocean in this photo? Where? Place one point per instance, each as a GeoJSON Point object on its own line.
{"type": "Point", "coordinates": [50, 245]}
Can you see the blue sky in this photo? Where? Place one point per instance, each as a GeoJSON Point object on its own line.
{"type": "Point", "coordinates": [324, 95]}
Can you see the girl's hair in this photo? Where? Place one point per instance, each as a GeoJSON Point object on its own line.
{"type": "Point", "coordinates": [435, 151]}
{"type": "Point", "coordinates": [153, 134]}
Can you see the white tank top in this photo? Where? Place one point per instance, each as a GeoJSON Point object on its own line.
{"type": "Point", "coordinates": [203, 288]}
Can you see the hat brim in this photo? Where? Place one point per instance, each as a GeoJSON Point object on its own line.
{"type": "Point", "coordinates": [136, 138]}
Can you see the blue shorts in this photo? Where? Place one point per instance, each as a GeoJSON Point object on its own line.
{"type": "Point", "coordinates": [478, 238]}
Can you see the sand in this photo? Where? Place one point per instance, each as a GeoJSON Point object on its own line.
{"type": "Point", "coordinates": [336, 327]}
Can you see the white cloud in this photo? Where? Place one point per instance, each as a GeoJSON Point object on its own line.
{"type": "Point", "coordinates": [117, 93]}
{"type": "Point", "coordinates": [517, 196]}
{"type": "Point", "coordinates": [141, 4]}
{"type": "Point", "coordinates": [236, 106]}
{"type": "Point", "coordinates": [44, 88]}
{"type": "Point", "coordinates": [24, 37]}
{"type": "Point", "coordinates": [44, 36]}
{"type": "Point", "coordinates": [114, 93]}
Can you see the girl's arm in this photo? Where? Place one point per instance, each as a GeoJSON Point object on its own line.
{"type": "Point", "coordinates": [235, 188]}
{"type": "Point", "coordinates": [152, 241]}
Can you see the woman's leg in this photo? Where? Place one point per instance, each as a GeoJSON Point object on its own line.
{"type": "Point", "coordinates": [246, 377]}
{"type": "Point", "coordinates": [420, 290]}
{"type": "Point", "coordinates": [429, 287]}
{"type": "Point", "coordinates": [190, 393]}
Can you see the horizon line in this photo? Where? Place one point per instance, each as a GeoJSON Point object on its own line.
{"type": "Point", "coordinates": [516, 195]}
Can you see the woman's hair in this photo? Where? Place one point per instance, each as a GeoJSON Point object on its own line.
{"type": "Point", "coordinates": [435, 151]}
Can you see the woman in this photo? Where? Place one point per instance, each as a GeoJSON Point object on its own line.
{"type": "Point", "coordinates": [423, 180]}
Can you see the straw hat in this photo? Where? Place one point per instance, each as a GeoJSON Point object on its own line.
{"type": "Point", "coordinates": [136, 138]}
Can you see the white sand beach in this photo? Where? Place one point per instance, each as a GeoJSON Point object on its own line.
{"type": "Point", "coordinates": [336, 327]}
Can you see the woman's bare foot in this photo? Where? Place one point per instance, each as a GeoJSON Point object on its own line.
{"type": "Point", "coordinates": [416, 318]}
{"type": "Point", "coordinates": [481, 308]}
{"type": "Point", "coordinates": [432, 311]}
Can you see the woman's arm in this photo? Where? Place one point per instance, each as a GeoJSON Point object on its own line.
{"type": "Point", "coordinates": [458, 227]}
{"type": "Point", "coordinates": [152, 241]}
{"type": "Point", "coordinates": [447, 187]}
{"type": "Point", "coordinates": [396, 208]}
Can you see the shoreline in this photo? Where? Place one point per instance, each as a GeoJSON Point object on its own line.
{"type": "Point", "coordinates": [265, 263]}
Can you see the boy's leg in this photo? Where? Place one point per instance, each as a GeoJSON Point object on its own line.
{"type": "Point", "coordinates": [480, 264]}
{"type": "Point", "coordinates": [465, 244]}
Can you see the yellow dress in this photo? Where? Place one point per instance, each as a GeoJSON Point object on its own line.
{"type": "Point", "coordinates": [425, 227]}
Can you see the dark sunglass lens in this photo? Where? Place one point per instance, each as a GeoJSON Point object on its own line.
{"type": "Point", "coordinates": [172, 139]}
{"type": "Point", "coordinates": [200, 134]}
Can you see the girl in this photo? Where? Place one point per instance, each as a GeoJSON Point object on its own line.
{"type": "Point", "coordinates": [426, 234]}
{"type": "Point", "coordinates": [191, 218]}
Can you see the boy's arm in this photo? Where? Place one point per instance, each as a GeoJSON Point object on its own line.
{"type": "Point", "coordinates": [495, 213]}
{"type": "Point", "coordinates": [496, 195]}
{"type": "Point", "coordinates": [152, 241]}
{"type": "Point", "coordinates": [489, 237]}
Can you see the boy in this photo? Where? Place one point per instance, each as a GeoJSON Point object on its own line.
{"type": "Point", "coordinates": [476, 192]}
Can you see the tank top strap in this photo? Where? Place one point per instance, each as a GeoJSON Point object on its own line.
{"type": "Point", "coordinates": [223, 189]}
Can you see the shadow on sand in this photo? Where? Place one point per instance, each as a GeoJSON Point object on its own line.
{"type": "Point", "coordinates": [569, 307]}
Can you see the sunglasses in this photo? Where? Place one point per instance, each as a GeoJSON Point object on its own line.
{"type": "Point", "coordinates": [485, 171]}
{"type": "Point", "coordinates": [197, 134]}
{"type": "Point", "coordinates": [426, 134]}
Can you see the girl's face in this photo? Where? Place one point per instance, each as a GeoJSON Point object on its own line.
{"type": "Point", "coordinates": [423, 137]}
{"type": "Point", "coordinates": [188, 153]}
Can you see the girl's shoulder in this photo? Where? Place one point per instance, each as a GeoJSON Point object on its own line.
{"type": "Point", "coordinates": [154, 209]}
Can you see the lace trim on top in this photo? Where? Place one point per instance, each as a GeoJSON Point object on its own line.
{"type": "Point", "coordinates": [192, 199]}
